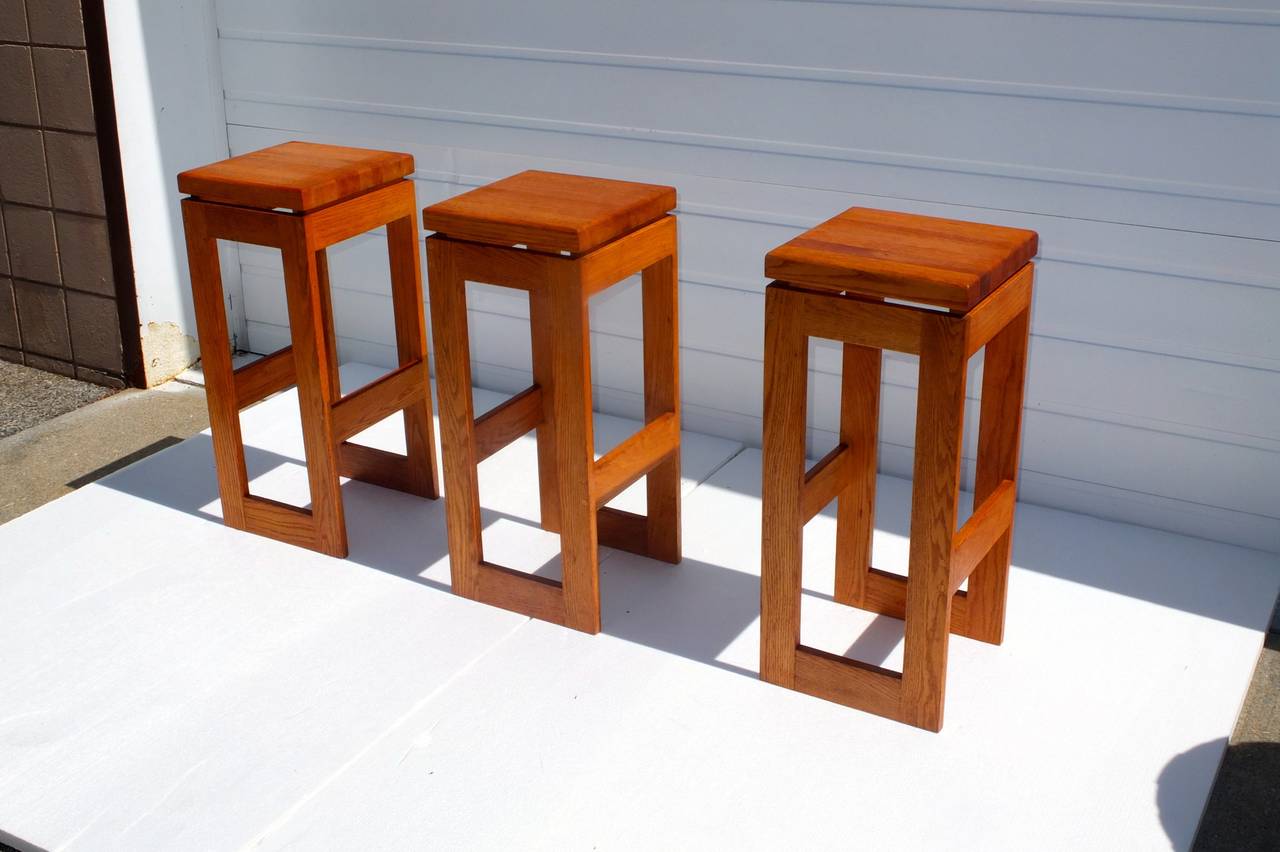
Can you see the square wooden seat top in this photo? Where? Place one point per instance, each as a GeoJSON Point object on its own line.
{"type": "Point", "coordinates": [879, 253]}
{"type": "Point", "coordinates": [296, 176]}
{"type": "Point", "coordinates": [548, 211]}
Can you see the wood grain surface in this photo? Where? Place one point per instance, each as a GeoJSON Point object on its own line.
{"type": "Point", "coordinates": [943, 262]}
{"type": "Point", "coordinates": [550, 211]}
{"type": "Point", "coordinates": [295, 175]}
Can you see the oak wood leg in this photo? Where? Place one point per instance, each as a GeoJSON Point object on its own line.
{"type": "Point", "coordinates": [661, 296]}
{"type": "Point", "coordinates": [411, 347]}
{"type": "Point", "coordinates": [999, 430]}
{"type": "Point", "coordinates": [935, 492]}
{"type": "Point", "coordinates": [457, 436]}
{"type": "Point", "coordinates": [215, 355]}
{"type": "Point", "coordinates": [574, 449]}
{"type": "Point", "coordinates": [315, 366]}
{"type": "Point", "coordinates": [786, 373]}
{"type": "Point", "coordinates": [541, 334]}
{"type": "Point", "coordinates": [326, 312]}
{"type": "Point", "coordinates": [856, 509]}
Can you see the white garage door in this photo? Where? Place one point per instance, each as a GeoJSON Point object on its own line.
{"type": "Point", "coordinates": [1140, 139]}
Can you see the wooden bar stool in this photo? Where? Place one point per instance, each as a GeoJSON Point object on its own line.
{"type": "Point", "coordinates": [832, 283]}
{"type": "Point", "coordinates": [301, 198]}
{"type": "Point", "coordinates": [562, 238]}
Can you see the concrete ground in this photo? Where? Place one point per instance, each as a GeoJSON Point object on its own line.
{"type": "Point", "coordinates": [58, 454]}
{"type": "Point", "coordinates": [1243, 812]}
{"type": "Point", "coordinates": [63, 451]}
{"type": "Point", "coordinates": [29, 396]}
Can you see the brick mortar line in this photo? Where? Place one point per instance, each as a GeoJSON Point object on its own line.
{"type": "Point", "coordinates": [53, 209]}
{"type": "Point", "coordinates": [44, 150]}
{"type": "Point", "coordinates": [74, 366]}
{"type": "Point", "coordinates": [44, 127]}
{"type": "Point", "coordinates": [6, 42]}
{"type": "Point", "coordinates": [27, 280]}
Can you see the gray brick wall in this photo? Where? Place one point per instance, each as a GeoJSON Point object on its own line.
{"type": "Point", "coordinates": [58, 308]}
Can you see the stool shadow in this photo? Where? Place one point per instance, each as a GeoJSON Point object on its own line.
{"type": "Point", "coordinates": [877, 642]}
{"type": "Point", "coordinates": [699, 608]}
{"type": "Point", "coordinates": [12, 843]}
{"type": "Point", "coordinates": [387, 529]}
{"type": "Point", "coordinates": [695, 609]}
{"type": "Point", "coordinates": [1138, 562]}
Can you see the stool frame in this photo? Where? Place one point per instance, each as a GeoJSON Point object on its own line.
{"type": "Point", "coordinates": [311, 361]}
{"type": "Point", "coordinates": [574, 486]}
{"type": "Point", "coordinates": [929, 598]}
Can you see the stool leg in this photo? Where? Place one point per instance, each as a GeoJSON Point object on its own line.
{"type": "Point", "coordinates": [411, 347]}
{"type": "Point", "coordinates": [326, 313]}
{"type": "Point", "coordinates": [935, 491]}
{"type": "Point", "coordinates": [998, 439]}
{"type": "Point", "coordinates": [856, 512]}
{"type": "Point", "coordinates": [541, 333]}
{"type": "Point", "coordinates": [575, 448]}
{"type": "Point", "coordinates": [215, 356]}
{"type": "Point", "coordinates": [786, 375]}
{"type": "Point", "coordinates": [661, 296]}
{"type": "Point", "coordinates": [457, 418]}
{"type": "Point", "coordinates": [315, 364]}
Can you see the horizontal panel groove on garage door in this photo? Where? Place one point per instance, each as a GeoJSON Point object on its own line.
{"type": "Point", "coordinates": [789, 119]}
{"type": "Point", "coordinates": [1084, 176]}
{"type": "Point", "coordinates": [910, 40]}
{"type": "Point", "coordinates": [915, 186]}
{"type": "Point", "coordinates": [1154, 388]}
{"type": "Point", "coordinates": [1159, 100]}
{"type": "Point", "coordinates": [650, 153]}
{"type": "Point", "coordinates": [1221, 12]}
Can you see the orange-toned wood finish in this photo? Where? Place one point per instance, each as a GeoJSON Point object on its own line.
{"type": "Point", "coordinates": [846, 270]}
{"type": "Point", "coordinates": [298, 176]}
{"type": "Point", "coordinates": [552, 212]}
{"type": "Point", "coordinates": [610, 230]}
{"type": "Point", "coordinates": [355, 191]}
{"type": "Point", "coordinates": [879, 253]}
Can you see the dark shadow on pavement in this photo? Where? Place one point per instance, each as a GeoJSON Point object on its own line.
{"type": "Point", "coordinates": [1243, 812]}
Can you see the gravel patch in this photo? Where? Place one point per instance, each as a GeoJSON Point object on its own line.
{"type": "Point", "coordinates": [29, 396]}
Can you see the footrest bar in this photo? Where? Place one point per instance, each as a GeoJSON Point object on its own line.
{"type": "Point", "coordinates": [379, 467]}
{"type": "Point", "coordinates": [280, 521]}
{"type": "Point", "coordinates": [887, 595]}
{"type": "Point", "coordinates": [849, 682]}
{"type": "Point", "coordinates": [527, 594]}
{"type": "Point", "coordinates": [269, 374]}
{"type": "Point", "coordinates": [635, 457]}
{"type": "Point", "coordinates": [379, 399]}
{"type": "Point", "coordinates": [502, 425]}
{"type": "Point", "coordinates": [825, 480]}
{"type": "Point", "coordinates": [622, 530]}
{"type": "Point", "coordinates": [983, 529]}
